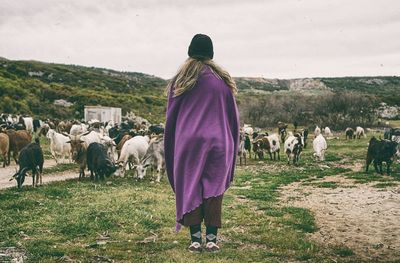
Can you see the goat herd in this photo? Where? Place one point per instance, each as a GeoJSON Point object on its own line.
{"type": "Point", "coordinates": [103, 148]}
{"type": "Point", "coordinates": [257, 142]}
{"type": "Point", "coordinates": [108, 148]}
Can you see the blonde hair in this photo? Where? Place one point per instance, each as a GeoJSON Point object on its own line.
{"type": "Point", "coordinates": [189, 72]}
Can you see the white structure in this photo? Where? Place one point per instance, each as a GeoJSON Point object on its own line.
{"type": "Point", "coordinates": [103, 114]}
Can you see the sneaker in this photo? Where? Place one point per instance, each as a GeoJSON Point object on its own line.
{"type": "Point", "coordinates": [195, 247]}
{"type": "Point", "coordinates": [211, 247]}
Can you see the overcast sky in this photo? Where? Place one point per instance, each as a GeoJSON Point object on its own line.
{"type": "Point", "coordinates": [272, 39]}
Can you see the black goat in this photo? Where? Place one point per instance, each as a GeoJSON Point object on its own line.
{"type": "Point", "coordinates": [380, 151]}
{"type": "Point", "coordinates": [30, 159]}
{"type": "Point", "coordinates": [98, 162]}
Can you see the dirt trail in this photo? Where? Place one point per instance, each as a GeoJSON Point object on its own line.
{"type": "Point", "coordinates": [7, 172]}
{"type": "Point", "coordinates": [359, 216]}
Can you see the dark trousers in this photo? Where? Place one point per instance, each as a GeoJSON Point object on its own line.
{"type": "Point", "coordinates": [210, 211]}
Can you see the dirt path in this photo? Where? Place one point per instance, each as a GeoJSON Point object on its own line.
{"type": "Point", "coordinates": [359, 216]}
{"type": "Point", "coordinates": [7, 172]}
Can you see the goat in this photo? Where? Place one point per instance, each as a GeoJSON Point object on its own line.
{"type": "Point", "coordinates": [30, 158]}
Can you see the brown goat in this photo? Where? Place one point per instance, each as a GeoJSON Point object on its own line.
{"type": "Point", "coordinates": [282, 130]}
{"type": "Point", "coordinates": [64, 126]}
{"type": "Point", "coordinates": [4, 146]}
{"type": "Point", "coordinates": [78, 152]}
{"type": "Point", "coordinates": [18, 140]}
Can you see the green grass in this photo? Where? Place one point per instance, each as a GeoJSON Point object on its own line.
{"type": "Point", "coordinates": [60, 168]}
{"type": "Point", "coordinates": [343, 251]}
{"type": "Point", "coordinates": [67, 219]}
{"type": "Point", "coordinates": [323, 184]}
{"type": "Point", "coordinates": [385, 184]}
{"type": "Point", "coordinates": [362, 177]}
{"type": "Point", "coordinates": [71, 218]}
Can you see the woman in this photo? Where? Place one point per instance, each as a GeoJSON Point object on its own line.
{"type": "Point", "coordinates": [201, 141]}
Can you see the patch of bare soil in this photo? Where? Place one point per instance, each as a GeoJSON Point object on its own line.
{"type": "Point", "coordinates": [7, 172]}
{"type": "Point", "coordinates": [12, 254]}
{"type": "Point", "coordinates": [261, 167]}
{"type": "Point", "coordinates": [362, 218]}
{"type": "Point", "coordinates": [350, 164]}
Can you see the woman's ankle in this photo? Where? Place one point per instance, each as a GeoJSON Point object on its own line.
{"type": "Point", "coordinates": [195, 233]}
{"type": "Point", "coordinates": [211, 234]}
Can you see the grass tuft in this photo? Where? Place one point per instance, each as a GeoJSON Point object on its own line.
{"type": "Point", "coordinates": [343, 251]}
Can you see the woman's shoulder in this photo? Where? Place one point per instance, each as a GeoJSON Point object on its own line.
{"type": "Point", "coordinates": [210, 79]}
{"type": "Point", "coordinates": [208, 72]}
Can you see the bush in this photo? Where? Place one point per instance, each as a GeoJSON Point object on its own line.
{"type": "Point", "coordinates": [336, 110]}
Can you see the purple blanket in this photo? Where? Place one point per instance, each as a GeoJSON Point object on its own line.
{"type": "Point", "coordinates": [201, 142]}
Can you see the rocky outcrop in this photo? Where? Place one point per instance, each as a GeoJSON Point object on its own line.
{"type": "Point", "coordinates": [307, 85]}
{"type": "Point", "coordinates": [63, 103]}
{"type": "Point", "coordinates": [388, 112]}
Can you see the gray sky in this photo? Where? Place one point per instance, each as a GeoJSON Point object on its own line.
{"type": "Point", "coordinates": [272, 39]}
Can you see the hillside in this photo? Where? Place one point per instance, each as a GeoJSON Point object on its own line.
{"type": "Point", "coordinates": [31, 87]}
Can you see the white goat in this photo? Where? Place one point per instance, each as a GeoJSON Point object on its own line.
{"type": "Point", "coordinates": [90, 137]}
{"type": "Point", "coordinates": [77, 129]}
{"type": "Point", "coordinates": [59, 146]}
{"type": "Point", "coordinates": [154, 157]}
{"type": "Point", "coordinates": [327, 131]}
{"type": "Point", "coordinates": [360, 132]}
{"type": "Point", "coordinates": [293, 147]}
{"type": "Point", "coordinates": [28, 121]}
{"type": "Point", "coordinates": [133, 150]}
{"type": "Point", "coordinates": [319, 146]}
{"type": "Point", "coordinates": [274, 144]}
{"type": "Point", "coordinates": [242, 151]}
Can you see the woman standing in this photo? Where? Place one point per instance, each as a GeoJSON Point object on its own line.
{"type": "Point", "coordinates": [201, 141]}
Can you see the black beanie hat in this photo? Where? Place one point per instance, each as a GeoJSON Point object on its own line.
{"type": "Point", "coordinates": [201, 47]}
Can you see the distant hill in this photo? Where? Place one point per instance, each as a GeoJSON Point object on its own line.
{"type": "Point", "coordinates": [31, 87]}
{"type": "Point", "coordinates": [386, 88]}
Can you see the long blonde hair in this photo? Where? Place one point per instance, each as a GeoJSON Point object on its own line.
{"type": "Point", "coordinates": [189, 72]}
